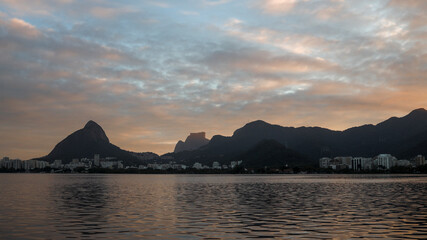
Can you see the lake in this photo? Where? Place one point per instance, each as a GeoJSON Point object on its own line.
{"type": "Point", "coordinates": [87, 206]}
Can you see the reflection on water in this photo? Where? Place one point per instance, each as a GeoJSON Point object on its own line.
{"type": "Point", "coordinates": [212, 206]}
{"type": "Point", "coordinates": [80, 204]}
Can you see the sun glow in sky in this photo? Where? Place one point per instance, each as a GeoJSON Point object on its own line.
{"type": "Point", "coordinates": [151, 72]}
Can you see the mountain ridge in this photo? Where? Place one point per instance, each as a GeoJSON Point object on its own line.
{"type": "Point", "coordinates": [400, 136]}
{"type": "Point", "coordinates": [403, 137]}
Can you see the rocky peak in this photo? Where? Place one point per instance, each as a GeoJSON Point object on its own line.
{"type": "Point", "coordinates": [94, 132]}
{"type": "Point", "coordinates": [192, 142]}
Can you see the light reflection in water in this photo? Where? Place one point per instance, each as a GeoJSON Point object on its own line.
{"type": "Point", "coordinates": [212, 206]}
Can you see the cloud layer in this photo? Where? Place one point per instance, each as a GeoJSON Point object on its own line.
{"type": "Point", "coordinates": [150, 72]}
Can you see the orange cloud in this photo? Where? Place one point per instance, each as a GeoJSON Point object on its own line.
{"type": "Point", "coordinates": [22, 28]}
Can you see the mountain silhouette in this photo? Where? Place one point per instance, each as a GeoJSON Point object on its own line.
{"type": "Point", "coordinates": [262, 142]}
{"type": "Point", "coordinates": [404, 137]}
{"type": "Point", "coordinates": [193, 141]}
{"type": "Point", "coordinates": [86, 142]}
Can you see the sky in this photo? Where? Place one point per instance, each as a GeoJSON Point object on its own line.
{"type": "Point", "coordinates": [151, 72]}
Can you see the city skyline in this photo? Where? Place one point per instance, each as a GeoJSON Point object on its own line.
{"type": "Point", "coordinates": [154, 71]}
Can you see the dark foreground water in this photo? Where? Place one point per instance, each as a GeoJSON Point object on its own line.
{"type": "Point", "coordinates": [53, 206]}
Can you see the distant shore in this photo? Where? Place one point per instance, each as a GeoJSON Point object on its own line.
{"type": "Point", "coordinates": [295, 170]}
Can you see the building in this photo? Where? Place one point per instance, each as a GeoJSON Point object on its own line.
{"type": "Point", "coordinates": [154, 166]}
{"type": "Point", "coordinates": [344, 162]}
{"type": "Point", "coordinates": [120, 165]}
{"type": "Point", "coordinates": [403, 163]}
{"type": "Point", "coordinates": [361, 163]}
{"type": "Point", "coordinates": [216, 165]}
{"type": "Point", "coordinates": [57, 164]}
{"type": "Point", "coordinates": [385, 161]}
{"type": "Point", "coordinates": [197, 166]}
{"type": "Point", "coordinates": [5, 163]}
{"type": "Point", "coordinates": [324, 162]}
{"type": "Point", "coordinates": [142, 167]}
{"type": "Point", "coordinates": [234, 164]}
{"type": "Point", "coordinates": [16, 164]}
{"type": "Point", "coordinates": [111, 164]}
{"type": "Point", "coordinates": [96, 160]}
{"type": "Point", "coordinates": [420, 160]}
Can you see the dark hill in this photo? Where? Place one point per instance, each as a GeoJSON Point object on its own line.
{"type": "Point", "coordinates": [270, 153]}
{"type": "Point", "coordinates": [86, 142]}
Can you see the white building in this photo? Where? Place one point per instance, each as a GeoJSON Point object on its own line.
{"type": "Point", "coordinates": [403, 163]}
{"type": "Point", "coordinates": [234, 164]}
{"type": "Point", "coordinates": [57, 164]}
{"type": "Point", "coordinates": [16, 164]}
{"type": "Point", "coordinates": [324, 162]}
{"type": "Point", "coordinates": [197, 166]}
{"type": "Point", "coordinates": [96, 160]}
{"type": "Point", "coordinates": [111, 164]}
{"type": "Point", "coordinates": [361, 163]}
{"type": "Point", "coordinates": [420, 160]}
{"type": "Point", "coordinates": [142, 167]}
{"type": "Point", "coordinates": [385, 161]}
{"type": "Point", "coordinates": [216, 165]}
{"type": "Point", "coordinates": [34, 164]}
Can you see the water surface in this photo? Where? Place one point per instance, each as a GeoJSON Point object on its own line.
{"type": "Point", "coordinates": [52, 206]}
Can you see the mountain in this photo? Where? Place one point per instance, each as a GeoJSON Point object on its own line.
{"type": "Point", "coordinates": [86, 142]}
{"type": "Point", "coordinates": [403, 137]}
{"type": "Point", "coordinates": [270, 153]}
{"type": "Point", "coordinates": [193, 141]}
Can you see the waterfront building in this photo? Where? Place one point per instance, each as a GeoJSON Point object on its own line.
{"type": "Point", "coordinates": [197, 166]}
{"type": "Point", "coordinates": [234, 164]}
{"type": "Point", "coordinates": [216, 165]}
{"type": "Point", "coordinates": [57, 163]}
{"type": "Point", "coordinates": [142, 167]}
{"type": "Point", "coordinates": [403, 163]}
{"type": "Point", "coordinates": [361, 163]}
{"type": "Point", "coordinates": [96, 160]}
{"type": "Point", "coordinates": [343, 162]}
{"type": "Point", "coordinates": [385, 161]}
{"type": "Point", "coordinates": [324, 162]}
{"type": "Point", "coordinates": [4, 163]}
{"type": "Point", "coordinates": [120, 165]}
{"type": "Point", "coordinates": [16, 164]}
{"type": "Point", "coordinates": [420, 160]}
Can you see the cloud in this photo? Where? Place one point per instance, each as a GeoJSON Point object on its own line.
{"type": "Point", "coordinates": [110, 12]}
{"type": "Point", "coordinates": [35, 7]}
{"type": "Point", "coordinates": [150, 76]}
{"type": "Point", "coordinates": [277, 6]}
{"type": "Point", "coordinates": [189, 13]}
{"type": "Point", "coordinates": [264, 62]}
{"type": "Point", "coordinates": [215, 2]}
{"type": "Point", "coordinates": [413, 11]}
{"type": "Point", "coordinates": [159, 4]}
{"type": "Point", "coordinates": [295, 43]}
{"type": "Point", "coordinates": [20, 27]}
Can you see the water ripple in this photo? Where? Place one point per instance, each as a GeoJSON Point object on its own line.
{"type": "Point", "coordinates": [50, 206]}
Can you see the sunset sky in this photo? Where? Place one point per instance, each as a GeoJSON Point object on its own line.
{"type": "Point", "coordinates": [151, 72]}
